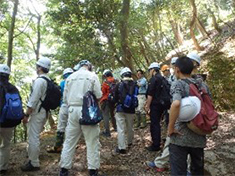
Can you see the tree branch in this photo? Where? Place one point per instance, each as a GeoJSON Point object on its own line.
{"type": "Point", "coordinates": [24, 28]}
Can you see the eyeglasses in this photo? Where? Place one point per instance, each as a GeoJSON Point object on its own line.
{"type": "Point", "coordinates": [166, 70]}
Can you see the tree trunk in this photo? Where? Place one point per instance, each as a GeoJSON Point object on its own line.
{"type": "Point", "coordinates": [176, 29]}
{"type": "Point", "coordinates": [39, 37]}
{"type": "Point", "coordinates": [192, 24]}
{"type": "Point", "coordinates": [214, 21]}
{"type": "Point", "coordinates": [201, 28]}
{"type": "Point", "coordinates": [126, 54]}
{"type": "Point", "coordinates": [11, 33]}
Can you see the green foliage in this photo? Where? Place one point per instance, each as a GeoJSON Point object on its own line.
{"type": "Point", "coordinates": [221, 79]}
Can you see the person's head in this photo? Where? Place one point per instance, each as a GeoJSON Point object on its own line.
{"type": "Point", "coordinates": [86, 64]}
{"type": "Point", "coordinates": [196, 61]}
{"type": "Point", "coordinates": [43, 65]}
{"type": "Point", "coordinates": [67, 72]}
{"type": "Point", "coordinates": [126, 72]}
{"type": "Point", "coordinates": [173, 60]}
{"type": "Point", "coordinates": [153, 68]}
{"type": "Point", "coordinates": [165, 70]}
{"type": "Point", "coordinates": [107, 73]}
{"type": "Point", "coordinates": [183, 67]}
{"type": "Point", "coordinates": [140, 73]}
{"type": "Point", "coordinates": [4, 72]}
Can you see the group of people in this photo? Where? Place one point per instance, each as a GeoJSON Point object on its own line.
{"type": "Point", "coordinates": [123, 102]}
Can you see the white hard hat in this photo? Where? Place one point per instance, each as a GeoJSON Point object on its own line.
{"type": "Point", "coordinates": [125, 70]}
{"type": "Point", "coordinates": [173, 60]}
{"type": "Point", "coordinates": [67, 70]}
{"type": "Point", "coordinates": [5, 69]}
{"type": "Point", "coordinates": [44, 62]}
{"type": "Point", "coordinates": [106, 71]}
{"type": "Point", "coordinates": [76, 67]}
{"type": "Point", "coordinates": [154, 65]}
{"type": "Point", "coordinates": [82, 63]}
{"type": "Point", "coordinates": [195, 57]}
{"type": "Point", "coordinates": [189, 108]}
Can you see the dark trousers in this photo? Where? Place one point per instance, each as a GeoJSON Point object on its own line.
{"type": "Point", "coordinates": [178, 160]}
{"type": "Point", "coordinates": [166, 116]}
{"type": "Point", "coordinates": [108, 110]}
{"type": "Point", "coordinates": [113, 120]}
{"type": "Point", "coordinates": [156, 112]}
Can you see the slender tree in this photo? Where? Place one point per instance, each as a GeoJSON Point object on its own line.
{"type": "Point", "coordinates": [192, 25]}
{"type": "Point", "coordinates": [11, 33]}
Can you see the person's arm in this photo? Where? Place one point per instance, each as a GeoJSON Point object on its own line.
{"type": "Point", "coordinates": [150, 94]}
{"type": "Point", "coordinates": [27, 114]}
{"type": "Point", "coordinates": [174, 114]}
{"type": "Point", "coordinates": [176, 92]}
{"type": "Point", "coordinates": [34, 98]}
{"type": "Point", "coordinates": [148, 103]}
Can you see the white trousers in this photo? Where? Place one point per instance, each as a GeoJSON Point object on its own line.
{"type": "Point", "coordinates": [163, 160]}
{"type": "Point", "coordinates": [141, 103]}
{"type": "Point", "coordinates": [63, 118]}
{"type": "Point", "coordinates": [124, 124]}
{"type": "Point", "coordinates": [35, 127]}
{"type": "Point", "coordinates": [5, 142]}
{"type": "Point", "coordinates": [73, 133]}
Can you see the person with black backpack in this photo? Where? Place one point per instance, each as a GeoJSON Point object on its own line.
{"type": "Point", "coordinates": [107, 105]}
{"type": "Point", "coordinates": [36, 114]}
{"type": "Point", "coordinates": [158, 100]}
{"type": "Point", "coordinates": [126, 101]}
{"type": "Point", "coordinates": [11, 113]}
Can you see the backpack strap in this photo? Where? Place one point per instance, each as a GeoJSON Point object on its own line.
{"type": "Point", "coordinates": [47, 80]}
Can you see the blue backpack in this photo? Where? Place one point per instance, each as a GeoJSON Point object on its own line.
{"type": "Point", "coordinates": [128, 94]}
{"type": "Point", "coordinates": [12, 109]}
{"type": "Point", "coordinates": [91, 113]}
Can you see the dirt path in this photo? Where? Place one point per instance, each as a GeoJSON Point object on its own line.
{"type": "Point", "coordinates": [219, 155]}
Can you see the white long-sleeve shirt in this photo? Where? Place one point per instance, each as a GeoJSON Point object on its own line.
{"type": "Point", "coordinates": [38, 92]}
{"type": "Point", "coordinates": [78, 83]}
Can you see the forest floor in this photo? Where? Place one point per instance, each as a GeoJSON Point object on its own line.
{"type": "Point", "coordinates": [219, 153]}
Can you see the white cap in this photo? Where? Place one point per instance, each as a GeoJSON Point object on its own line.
{"type": "Point", "coordinates": [44, 62]}
{"type": "Point", "coordinates": [105, 71]}
{"type": "Point", "coordinates": [125, 70]}
{"type": "Point", "coordinates": [5, 69]}
{"type": "Point", "coordinates": [154, 65]}
{"type": "Point", "coordinates": [195, 57]}
{"type": "Point", "coordinates": [67, 70]}
{"type": "Point", "coordinates": [189, 108]}
{"type": "Point", "coordinates": [173, 60]}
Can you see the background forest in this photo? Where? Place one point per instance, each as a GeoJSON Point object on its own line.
{"type": "Point", "coordinates": [116, 33]}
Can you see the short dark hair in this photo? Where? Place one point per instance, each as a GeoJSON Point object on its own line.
{"type": "Point", "coordinates": [45, 70]}
{"type": "Point", "coordinates": [108, 74]}
{"type": "Point", "coordinates": [184, 64]}
{"type": "Point", "coordinates": [127, 74]}
{"type": "Point", "coordinates": [141, 71]}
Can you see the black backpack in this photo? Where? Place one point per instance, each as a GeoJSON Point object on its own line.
{"type": "Point", "coordinates": [128, 91]}
{"type": "Point", "coordinates": [112, 87]}
{"type": "Point", "coordinates": [53, 95]}
{"type": "Point", "coordinates": [164, 97]}
{"type": "Point", "coordinates": [91, 113]}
